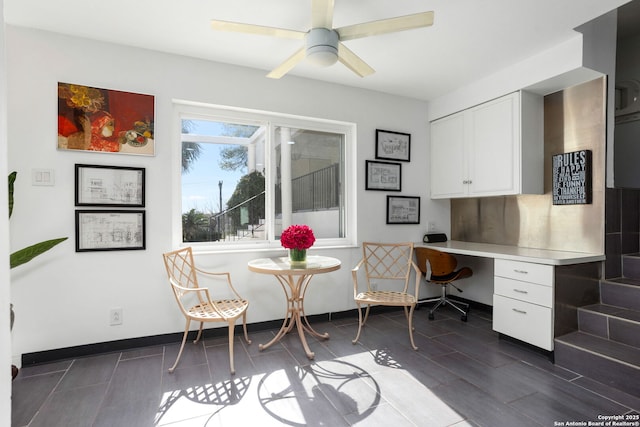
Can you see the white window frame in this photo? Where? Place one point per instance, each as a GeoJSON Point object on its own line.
{"type": "Point", "coordinates": [193, 110]}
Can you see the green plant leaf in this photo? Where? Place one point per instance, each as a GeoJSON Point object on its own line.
{"type": "Point", "coordinates": [12, 179]}
{"type": "Point", "coordinates": [30, 252]}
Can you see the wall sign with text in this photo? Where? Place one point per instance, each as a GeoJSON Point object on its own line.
{"type": "Point", "coordinates": [572, 178]}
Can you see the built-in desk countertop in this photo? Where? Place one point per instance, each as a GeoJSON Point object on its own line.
{"type": "Point", "coordinates": [538, 256]}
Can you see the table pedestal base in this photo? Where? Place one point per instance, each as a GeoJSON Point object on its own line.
{"type": "Point", "coordinates": [294, 288]}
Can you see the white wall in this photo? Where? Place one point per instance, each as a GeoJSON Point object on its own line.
{"type": "Point", "coordinates": [63, 298]}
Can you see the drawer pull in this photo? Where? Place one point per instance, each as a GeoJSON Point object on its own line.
{"type": "Point", "coordinates": [520, 291]}
{"type": "Point", "coordinates": [521, 271]}
{"type": "Point", "coordinates": [519, 311]}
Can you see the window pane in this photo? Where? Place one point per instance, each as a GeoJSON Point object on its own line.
{"type": "Point", "coordinates": [223, 198]}
{"type": "Point", "coordinates": [308, 181]}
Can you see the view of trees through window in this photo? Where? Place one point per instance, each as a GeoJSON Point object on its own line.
{"type": "Point", "coordinates": [225, 193]}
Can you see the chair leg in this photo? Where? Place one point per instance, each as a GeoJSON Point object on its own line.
{"type": "Point", "coordinates": [366, 314]}
{"type": "Point", "coordinates": [406, 315]}
{"type": "Point", "coordinates": [359, 324]}
{"type": "Point", "coordinates": [199, 333]}
{"type": "Point", "coordinates": [456, 306]}
{"type": "Point", "coordinates": [244, 327]}
{"type": "Point", "coordinates": [184, 339]}
{"type": "Point", "coordinates": [231, 328]}
{"type": "Point", "coordinates": [413, 344]}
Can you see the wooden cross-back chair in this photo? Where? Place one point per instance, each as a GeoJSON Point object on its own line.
{"type": "Point", "coordinates": [443, 272]}
{"type": "Point", "coordinates": [384, 264]}
{"type": "Point", "coordinates": [195, 302]}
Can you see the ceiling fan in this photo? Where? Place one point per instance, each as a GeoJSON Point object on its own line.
{"type": "Point", "coordinates": [323, 43]}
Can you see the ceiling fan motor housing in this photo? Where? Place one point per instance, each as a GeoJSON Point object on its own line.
{"type": "Point", "coordinates": [322, 46]}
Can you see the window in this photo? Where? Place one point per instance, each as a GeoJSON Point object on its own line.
{"type": "Point", "coordinates": [246, 175]}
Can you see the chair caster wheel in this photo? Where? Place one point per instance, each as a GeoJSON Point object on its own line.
{"type": "Point", "coordinates": [431, 316]}
{"type": "Point", "coordinates": [463, 318]}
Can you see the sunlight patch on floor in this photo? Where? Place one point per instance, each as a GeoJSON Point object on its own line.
{"type": "Point", "coordinates": [353, 386]}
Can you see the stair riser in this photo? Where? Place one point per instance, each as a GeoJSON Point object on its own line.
{"type": "Point", "coordinates": [631, 267]}
{"type": "Point", "coordinates": [606, 371]}
{"type": "Point", "coordinates": [620, 295]}
{"type": "Point", "coordinates": [609, 327]}
{"type": "Point", "coordinates": [624, 332]}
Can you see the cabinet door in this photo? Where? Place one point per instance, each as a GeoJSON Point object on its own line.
{"type": "Point", "coordinates": [494, 152]}
{"type": "Point", "coordinates": [448, 168]}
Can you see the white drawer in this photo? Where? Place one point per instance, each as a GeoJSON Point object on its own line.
{"type": "Point", "coordinates": [524, 291]}
{"type": "Point", "coordinates": [525, 271]}
{"type": "Point", "coordinates": [527, 322]}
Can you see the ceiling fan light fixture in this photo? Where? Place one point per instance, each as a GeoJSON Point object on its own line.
{"type": "Point", "coordinates": [322, 47]}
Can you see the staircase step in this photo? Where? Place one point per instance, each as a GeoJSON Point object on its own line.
{"type": "Point", "coordinates": [631, 266]}
{"type": "Point", "coordinates": [610, 322]}
{"type": "Point", "coordinates": [625, 281]}
{"type": "Point", "coordinates": [609, 362]}
{"type": "Point", "coordinates": [620, 294]}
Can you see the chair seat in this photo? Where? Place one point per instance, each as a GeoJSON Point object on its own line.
{"type": "Point", "coordinates": [454, 275]}
{"type": "Point", "coordinates": [229, 308]}
{"type": "Point", "coordinates": [386, 297]}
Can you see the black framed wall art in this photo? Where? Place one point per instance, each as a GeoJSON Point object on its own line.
{"type": "Point", "coordinates": [393, 145]}
{"type": "Point", "coordinates": [403, 210]}
{"type": "Point", "coordinates": [572, 177]}
{"type": "Point", "coordinates": [104, 186]}
{"type": "Point", "coordinates": [110, 230]}
{"type": "Point", "coordinates": [384, 176]}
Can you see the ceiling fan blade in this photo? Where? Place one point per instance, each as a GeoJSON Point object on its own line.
{"type": "Point", "coordinates": [383, 26]}
{"type": "Point", "coordinates": [322, 14]}
{"type": "Point", "coordinates": [353, 61]}
{"type": "Point", "coordinates": [287, 65]}
{"type": "Point", "coordinates": [239, 27]}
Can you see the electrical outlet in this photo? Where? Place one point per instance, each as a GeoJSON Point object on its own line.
{"type": "Point", "coordinates": [432, 226]}
{"type": "Point", "coordinates": [374, 286]}
{"type": "Point", "coordinates": [115, 316]}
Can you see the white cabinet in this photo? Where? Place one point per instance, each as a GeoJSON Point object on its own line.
{"type": "Point", "coordinates": [523, 301]}
{"type": "Point", "coordinates": [493, 149]}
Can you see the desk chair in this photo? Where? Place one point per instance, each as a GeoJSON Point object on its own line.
{"type": "Point", "coordinates": [385, 263]}
{"type": "Point", "coordinates": [443, 272]}
{"type": "Point", "coordinates": [195, 302]}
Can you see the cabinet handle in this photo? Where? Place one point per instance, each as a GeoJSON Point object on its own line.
{"type": "Point", "coordinates": [521, 271]}
{"type": "Point", "coordinates": [520, 291]}
{"type": "Point", "coordinates": [519, 311]}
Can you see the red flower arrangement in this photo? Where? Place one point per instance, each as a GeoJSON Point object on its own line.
{"type": "Point", "coordinates": [297, 237]}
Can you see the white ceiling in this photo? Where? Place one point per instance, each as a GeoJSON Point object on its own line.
{"type": "Point", "coordinates": [469, 39]}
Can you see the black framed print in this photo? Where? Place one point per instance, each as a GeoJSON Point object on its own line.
{"type": "Point", "coordinates": [99, 185]}
{"type": "Point", "coordinates": [403, 210]}
{"type": "Point", "coordinates": [110, 230]}
{"type": "Point", "coordinates": [384, 176]}
{"type": "Point", "coordinates": [572, 176]}
{"type": "Point", "coordinates": [393, 145]}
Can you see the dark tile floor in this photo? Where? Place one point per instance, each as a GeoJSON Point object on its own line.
{"type": "Point", "coordinates": [462, 375]}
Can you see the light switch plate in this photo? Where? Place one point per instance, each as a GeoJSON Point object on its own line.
{"type": "Point", "coordinates": [42, 177]}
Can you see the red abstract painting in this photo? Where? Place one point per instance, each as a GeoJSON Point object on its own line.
{"type": "Point", "coordinates": [104, 120]}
